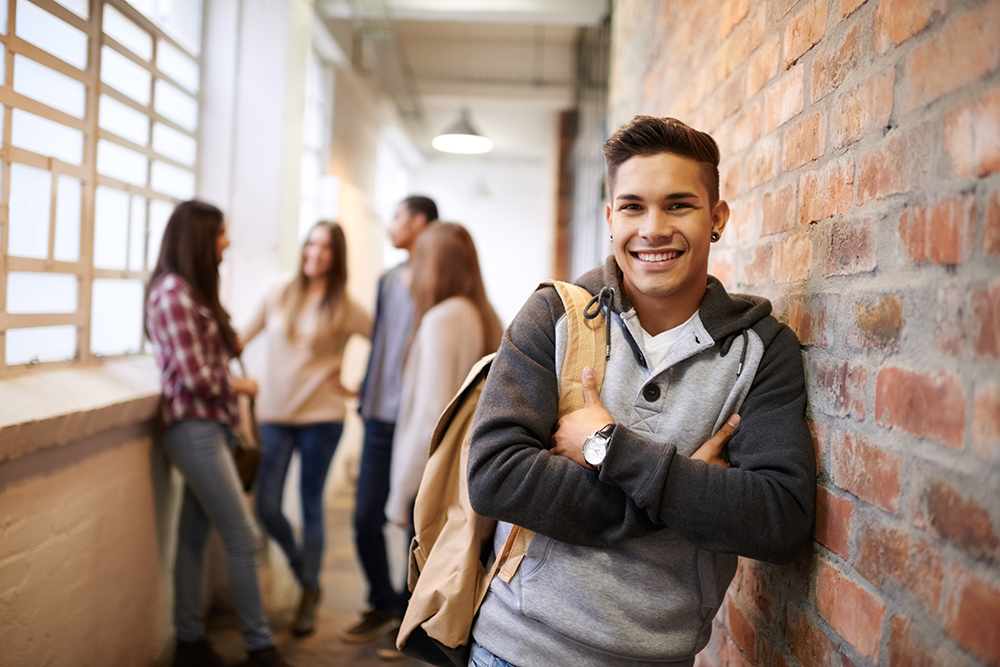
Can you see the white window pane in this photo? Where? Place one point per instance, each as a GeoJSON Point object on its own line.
{"type": "Point", "coordinates": [180, 18]}
{"type": "Point", "coordinates": [3, 63]}
{"type": "Point", "coordinates": [79, 7]}
{"type": "Point", "coordinates": [128, 34]}
{"type": "Point", "coordinates": [30, 205]}
{"type": "Point", "coordinates": [175, 105]}
{"type": "Point", "coordinates": [48, 33]}
{"type": "Point", "coordinates": [177, 65]}
{"type": "Point", "coordinates": [123, 120]}
{"type": "Point", "coordinates": [68, 202]}
{"type": "Point", "coordinates": [116, 316]}
{"type": "Point", "coordinates": [42, 292]}
{"type": "Point", "coordinates": [172, 181]}
{"type": "Point", "coordinates": [3, 16]}
{"type": "Point", "coordinates": [137, 235]}
{"type": "Point", "coordinates": [40, 344]}
{"type": "Point", "coordinates": [177, 145]}
{"type": "Point", "coordinates": [125, 76]}
{"type": "Point", "coordinates": [110, 228]}
{"type": "Point", "coordinates": [159, 213]}
{"type": "Point", "coordinates": [121, 163]}
{"type": "Point", "coordinates": [46, 137]}
{"type": "Point", "coordinates": [49, 86]}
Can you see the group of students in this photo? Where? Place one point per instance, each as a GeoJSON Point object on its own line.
{"type": "Point", "coordinates": [693, 450]}
{"type": "Point", "coordinates": [433, 321]}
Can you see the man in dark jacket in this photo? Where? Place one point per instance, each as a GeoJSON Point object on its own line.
{"type": "Point", "coordinates": [637, 532]}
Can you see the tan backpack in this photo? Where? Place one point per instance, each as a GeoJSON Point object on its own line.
{"type": "Point", "coordinates": [447, 573]}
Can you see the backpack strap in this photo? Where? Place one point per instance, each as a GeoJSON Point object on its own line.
{"type": "Point", "coordinates": [584, 347]}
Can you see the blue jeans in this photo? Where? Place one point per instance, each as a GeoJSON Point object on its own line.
{"type": "Point", "coordinates": [316, 444]}
{"type": "Point", "coordinates": [369, 515]}
{"type": "Point", "coordinates": [483, 658]}
{"type": "Point", "coordinates": [213, 495]}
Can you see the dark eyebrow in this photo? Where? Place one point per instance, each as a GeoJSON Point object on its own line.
{"type": "Point", "coordinates": [681, 195]}
{"type": "Point", "coordinates": [628, 197]}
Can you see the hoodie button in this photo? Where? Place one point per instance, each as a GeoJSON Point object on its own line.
{"type": "Point", "coordinates": [651, 393]}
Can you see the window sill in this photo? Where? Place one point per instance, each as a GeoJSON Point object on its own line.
{"type": "Point", "coordinates": [54, 408]}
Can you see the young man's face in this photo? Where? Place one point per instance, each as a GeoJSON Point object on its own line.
{"type": "Point", "coordinates": [406, 227]}
{"type": "Point", "coordinates": [661, 223]}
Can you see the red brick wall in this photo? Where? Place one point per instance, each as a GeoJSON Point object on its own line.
{"type": "Point", "coordinates": [861, 158]}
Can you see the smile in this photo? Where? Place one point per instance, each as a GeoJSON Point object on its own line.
{"type": "Point", "coordinates": [661, 256]}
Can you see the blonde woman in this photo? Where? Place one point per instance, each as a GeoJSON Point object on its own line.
{"type": "Point", "coordinates": [454, 325]}
{"type": "Point", "coordinates": [301, 406]}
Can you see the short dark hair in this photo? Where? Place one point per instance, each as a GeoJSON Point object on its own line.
{"type": "Point", "coordinates": [646, 135]}
{"type": "Point", "coordinates": [422, 204]}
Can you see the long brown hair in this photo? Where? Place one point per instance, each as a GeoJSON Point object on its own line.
{"type": "Point", "coordinates": [189, 250]}
{"type": "Point", "coordinates": [331, 311]}
{"type": "Point", "coordinates": [445, 264]}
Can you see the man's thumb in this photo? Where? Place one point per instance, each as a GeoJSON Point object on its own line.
{"type": "Point", "coordinates": [591, 394]}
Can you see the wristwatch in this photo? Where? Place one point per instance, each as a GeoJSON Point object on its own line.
{"type": "Point", "coordinates": [595, 448]}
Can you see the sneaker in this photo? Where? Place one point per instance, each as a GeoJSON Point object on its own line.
{"type": "Point", "coordinates": [266, 657]}
{"type": "Point", "coordinates": [367, 629]}
{"type": "Point", "coordinates": [198, 653]}
{"type": "Point", "coordinates": [305, 618]}
{"type": "Point", "coordinates": [390, 654]}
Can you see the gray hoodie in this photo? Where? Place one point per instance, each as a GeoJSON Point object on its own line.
{"type": "Point", "coordinates": [629, 566]}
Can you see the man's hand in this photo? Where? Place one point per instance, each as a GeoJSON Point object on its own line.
{"type": "Point", "coordinates": [573, 428]}
{"type": "Point", "coordinates": [244, 386]}
{"type": "Point", "coordinates": [333, 381]}
{"type": "Point", "coordinates": [711, 451]}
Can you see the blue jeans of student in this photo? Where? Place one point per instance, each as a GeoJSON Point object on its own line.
{"type": "Point", "coordinates": [213, 496]}
{"type": "Point", "coordinates": [316, 444]}
{"type": "Point", "coordinates": [369, 515]}
{"type": "Point", "coordinates": [483, 658]}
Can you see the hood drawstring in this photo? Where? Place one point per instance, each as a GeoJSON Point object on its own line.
{"type": "Point", "coordinates": [603, 302]}
{"type": "Point", "coordinates": [728, 343]}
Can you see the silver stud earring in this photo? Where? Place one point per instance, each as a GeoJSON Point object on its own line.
{"type": "Point", "coordinates": [611, 237]}
{"type": "Point", "coordinates": [715, 237]}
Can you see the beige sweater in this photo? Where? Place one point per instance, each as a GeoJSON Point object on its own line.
{"type": "Point", "coordinates": [448, 343]}
{"type": "Point", "coordinates": [294, 389]}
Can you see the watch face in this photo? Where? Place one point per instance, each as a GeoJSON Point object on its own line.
{"type": "Point", "coordinates": [594, 449]}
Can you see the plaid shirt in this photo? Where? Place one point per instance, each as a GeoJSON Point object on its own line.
{"type": "Point", "coordinates": [192, 357]}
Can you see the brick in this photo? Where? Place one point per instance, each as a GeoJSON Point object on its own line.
{"type": "Point", "coordinates": [804, 31]}
{"type": "Point", "coordinates": [785, 100]}
{"type": "Point", "coordinates": [743, 632]}
{"type": "Point", "coordinates": [826, 192]}
{"type": "Point", "coordinates": [848, 7]}
{"type": "Point", "coordinates": [852, 248]}
{"type": "Point", "coordinates": [769, 656]}
{"type": "Point", "coordinates": [862, 109]}
{"type": "Point", "coordinates": [882, 552]}
{"type": "Point", "coordinates": [924, 574]}
{"type": "Point", "coordinates": [756, 589]}
{"type": "Point", "coordinates": [837, 388]}
{"type": "Point", "coordinates": [763, 66]}
{"type": "Point", "coordinates": [898, 20]}
{"type": "Point", "coordinates": [991, 235]}
{"type": "Point", "coordinates": [854, 613]}
{"type": "Point", "coordinates": [733, 11]}
{"type": "Point", "coordinates": [961, 53]}
{"type": "Point", "coordinates": [986, 422]}
{"type": "Point", "coordinates": [804, 141]}
{"type": "Point", "coordinates": [833, 522]}
{"type": "Point", "coordinates": [722, 268]}
{"type": "Point", "coordinates": [972, 136]}
{"type": "Point", "coordinates": [760, 164]}
{"type": "Point", "coordinates": [807, 318]}
{"type": "Point", "coordinates": [778, 8]}
{"type": "Point", "coordinates": [878, 323]}
{"type": "Point", "coordinates": [819, 432]}
{"type": "Point", "coordinates": [905, 648]}
{"type": "Point", "coordinates": [947, 514]}
{"type": "Point", "coordinates": [924, 405]}
{"type": "Point", "coordinates": [729, 653]}
{"type": "Point", "coordinates": [730, 185]}
{"type": "Point", "coordinates": [758, 271]}
{"type": "Point", "coordinates": [792, 258]}
{"type": "Point", "coordinates": [834, 64]}
{"type": "Point", "coordinates": [810, 646]}
{"type": "Point", "coordinates": [870, 473]}
{"type": "Point", "coordinates": [949, 330]}
{"type": "Point", "coordinates": [744, 219]}
{"type": "Point", "coordinates": [971, 616]}
{"type": "Point", "coordinates": [779, 211]}
{"type": "Point", "coordinates": [943, 232]}
{"type": "Point", "coordinates": [986, 321]}
{"type": "Point", "coordinates": [746, 129]}
{"type": "Point", "coordinates": [883, 171]}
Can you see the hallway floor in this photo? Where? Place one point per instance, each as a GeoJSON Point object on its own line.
{"type": "Point", "coordinates": [343, 599]}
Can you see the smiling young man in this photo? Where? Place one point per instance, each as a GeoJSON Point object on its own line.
{"type": "Point", "coordinates": [638, 510]}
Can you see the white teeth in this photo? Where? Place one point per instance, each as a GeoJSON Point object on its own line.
{"type": "Point", "coordinates": [657, 256]}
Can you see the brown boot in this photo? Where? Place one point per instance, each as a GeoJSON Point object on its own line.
{"type": "Point", "coordinates": [305, 618]}
{"type": "Point", "coordinates": [266, 657]}
{"type": "Point", "coordinates": [198, 653]}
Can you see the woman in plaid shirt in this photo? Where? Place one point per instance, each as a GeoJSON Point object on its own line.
{"type": "Point", "coordinates": [193, 342]}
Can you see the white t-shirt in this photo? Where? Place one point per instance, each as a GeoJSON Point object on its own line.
{"type": "Point", "coordinates": [658, 347]}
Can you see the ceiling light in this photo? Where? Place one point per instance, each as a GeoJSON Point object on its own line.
{"type": "Point", "coordinates": [460, 137]}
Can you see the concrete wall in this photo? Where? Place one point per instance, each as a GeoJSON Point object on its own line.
{"type": "Point", "coordinates": [861, 151]}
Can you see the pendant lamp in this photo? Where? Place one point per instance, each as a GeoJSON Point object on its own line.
{"type": "Point", "coordinates": [460, 137]}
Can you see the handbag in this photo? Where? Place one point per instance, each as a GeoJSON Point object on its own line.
{"type": "Point", "coordinates": [246, 448]}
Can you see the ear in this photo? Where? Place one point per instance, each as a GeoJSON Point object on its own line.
{"type": "Point", "coordinates": [607, 214]}
{"type": "Point", "coordinates": [720, 216]}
